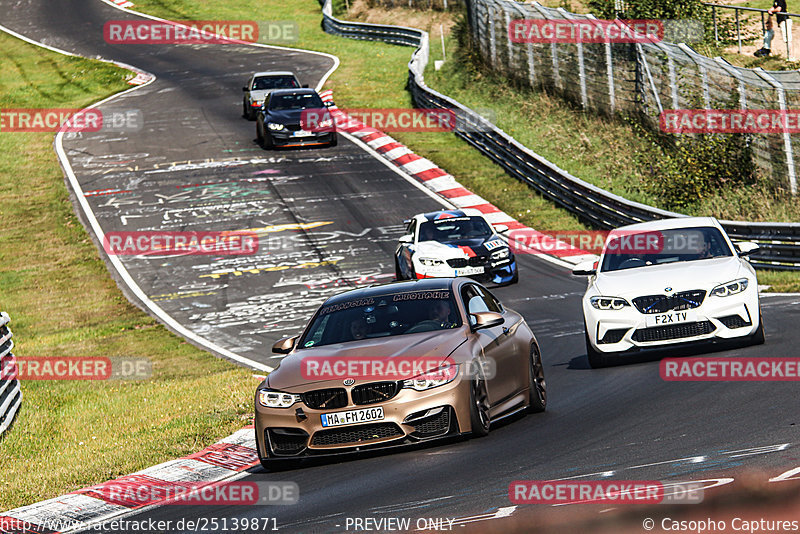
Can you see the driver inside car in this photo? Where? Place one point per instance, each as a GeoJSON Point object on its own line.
{"type": "Point", "coordinates": [438, 317]}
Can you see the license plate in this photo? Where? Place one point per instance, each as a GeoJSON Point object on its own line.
{"type": "Point", "coordinates": [676, 317]}
{"type": "Point", "coordinates": [302, 133]}
{"type": "Point", "coordinates": [467, 271]}
{"type": "Point", "coordinates": [352, 417]}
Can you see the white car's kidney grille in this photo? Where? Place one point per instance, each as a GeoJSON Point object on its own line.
{"type": "Point", "coordinates": [684, 300]}
{"type": "Point", "coordinates": [475, 261]}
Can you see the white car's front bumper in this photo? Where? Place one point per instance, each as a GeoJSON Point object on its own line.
{"type": "Point", "coordinates": [612, 331]}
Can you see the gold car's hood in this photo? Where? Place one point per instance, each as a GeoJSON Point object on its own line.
{"type": "Point", "coordinates": [440, 344]}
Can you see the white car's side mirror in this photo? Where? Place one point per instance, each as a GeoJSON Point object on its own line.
{"type": "Point", "coordinates": [407, 239]}
{"type": "Point", "coordinates": [746, 247]}
{"type": "Point", "coordinates": [586, 268]}
{"type": "Point", "coordinates": [500, 228]}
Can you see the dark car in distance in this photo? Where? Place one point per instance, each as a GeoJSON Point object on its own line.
{"type": "Point", "coordinates": [295, 117]}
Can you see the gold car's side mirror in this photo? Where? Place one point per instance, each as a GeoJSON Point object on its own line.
{"type": "Point", "coordinates": [284, 345]}
{"type": "Point", "coordinates": [486, 320]}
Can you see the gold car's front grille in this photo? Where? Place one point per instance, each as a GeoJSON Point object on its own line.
{"type": "Point", "coordinates": [374, 392]}
{"type": "Point", "coordinates": [325, 399]}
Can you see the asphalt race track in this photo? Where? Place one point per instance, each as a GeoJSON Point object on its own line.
{"type": "Point", "coordinates": [328, 219]}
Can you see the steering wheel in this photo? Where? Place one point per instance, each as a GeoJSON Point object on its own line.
{"type": "Point", "coordinates": [632, 262]}
{"type": "Point", "coordinates": [424, 326]}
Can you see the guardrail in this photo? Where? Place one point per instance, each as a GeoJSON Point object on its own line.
{"type": "Point", "coordinates": [10, 393]}
{"type": "Point", "coordinates": [780, 242]}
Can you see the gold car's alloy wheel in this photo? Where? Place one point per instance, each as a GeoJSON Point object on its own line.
{"type": "Point", "coordinates": [479, 407]}
{"type": "Point", "coordinates": [538, 386]}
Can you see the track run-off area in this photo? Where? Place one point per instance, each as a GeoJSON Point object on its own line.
{"type": "Point", "coordinates": [328, 219]}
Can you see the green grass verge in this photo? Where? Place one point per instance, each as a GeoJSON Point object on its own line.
{"type": "Point", "coordinates": [63, 303]}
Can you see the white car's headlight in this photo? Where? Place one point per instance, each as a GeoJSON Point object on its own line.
{"type": "Point", "coordinates": [729, 288]}
{"type": "Point", "coordinates": [432, 379]}
{"type": "Point", "coordinates": [275, 126]}
{"type": "Point", "coordinates": [608, 303]}
{"type": "Point", "coordinates": [431, 262]}
{"type": "Point", "coordinates": [277, 399]}
{"type": "Point", "coordinates": [501, 254]}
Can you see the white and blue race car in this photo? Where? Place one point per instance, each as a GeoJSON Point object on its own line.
{"type": "Point", "coordinates": [454, 243]}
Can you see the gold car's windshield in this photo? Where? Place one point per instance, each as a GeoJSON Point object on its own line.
{"type": "Point", "coordinates": [392, 314]}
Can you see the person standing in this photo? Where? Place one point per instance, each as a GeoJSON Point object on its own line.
{"type": "Point", "coordinates": [785, 24]}
{"type": "Point", "coordinates": [769, 33]}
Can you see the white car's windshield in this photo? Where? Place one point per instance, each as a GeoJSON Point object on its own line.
{"type": "Point", "coordinates": [454, 229]}
{"type": "Point", "coordinates": [629, 250]}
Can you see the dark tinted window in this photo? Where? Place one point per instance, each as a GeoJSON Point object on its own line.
{"type": "Point", "coordinates": [295, 101]}
{"type": "Point", "coordinates": [391, 314]}
{"type": "Point", "coordinates": [454, 229]}
{"type": "Point", "coordinates": [274, 82]}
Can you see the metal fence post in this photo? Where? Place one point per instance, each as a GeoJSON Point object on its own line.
{"type": "Point", "coordinates": [738, 31]}
{"type": "Point", "coordinates": [703, 73]}
{"type": "Point", "coordinates": [673, 81]}
{"type": "Point", "coordinates": [581, 64]}
{"type": "Point", "coordinates": [643, 59]}
{"type": "Point", "coordinates": [787, 138]}
{"type": "Point", "coordinates": [714, 18]}
{"type": "Point", "coordinates": [507, 17]}
{"type": "Point", "coordinates": [553, 48]}
{"type": "Point", "coordinates": [492, 40]}
{"type": "Point", "coordinates": [612, 98]}
{"type": "Point", "coordinates": [735, 73]}
{"type": "Point", "coordinates": [529, 47]}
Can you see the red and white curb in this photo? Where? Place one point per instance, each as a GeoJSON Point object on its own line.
{"type": "Point", "coordinates": [123, 3]}
{"type": "Point", "coordinates": [221, 461]}
{"type": "Point", "coordinates": [443, 184]}
{"type": "Point", "coordinates": [141, 77]}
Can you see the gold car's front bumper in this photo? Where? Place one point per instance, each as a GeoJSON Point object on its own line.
{"type": "Point", "coordinates": [410, 416]}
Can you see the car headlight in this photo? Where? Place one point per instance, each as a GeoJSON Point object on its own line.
{"type": "Point", "coordinates": [501, 254]}
{"type": "Point", "coordinates": [730, 288]}
{"type": "Point", "coordinates": [608, 303]}
{"type": "Point", "coordinates": [275, 126]}
{"type": "Point", "coordinates": [432, 379]}
{"type": "Point", "coordinates": [431, 262]}
{"type": "Point", "coordinates": [277, 399]}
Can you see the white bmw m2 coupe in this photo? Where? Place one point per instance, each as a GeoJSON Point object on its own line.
{"type": "Point", "coordinates": [667, 282]}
